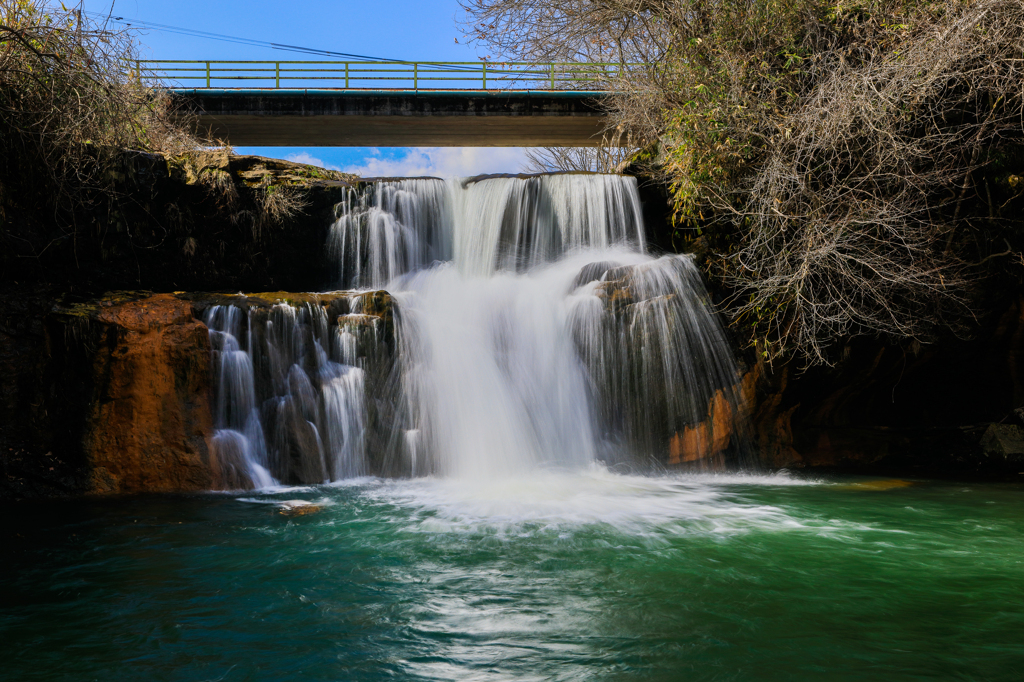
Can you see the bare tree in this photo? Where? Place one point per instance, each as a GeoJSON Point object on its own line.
{"type": "Point", "coordinates": [70, 97]}
{"type": "Point", "coordinates": [829, 156]}
{"type": "Point", "coordinates": [579, 159]}
{"type": "Point", "coordinates": [621, 31]}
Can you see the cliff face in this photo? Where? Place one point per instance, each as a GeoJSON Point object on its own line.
{"type": "Point", "coordinates": [953, 407]}
{"type": "Point", "coordinates": [206, 222]}
{"type": "Point", "coordinates": [950, 408]}
{"type": "Point", "coordinates": [114, 395]}
{"type": "Point", "coordinates": [109, 393]}
{"type": "Point", "coordinates": [107, 396]}
{"type": "Point", "coordinates": [148, 422]}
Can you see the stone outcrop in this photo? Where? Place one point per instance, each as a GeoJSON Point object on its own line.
{"type": "Point", "coordinates": [107, 395]}
{"type": "Point", "coordinates": [704, 441]}
{"type": "Point", "coordinates": [113, 395]}
{"type": "Point", "coordinates": [1004, 443]}
{"type": "Point", "coordinates": [771, 417]}
{"type": "Point", "coordinates": [950, 409]}
{"type": "Point", "coordinates": [728, 425]}
{"type": "Point", "coordinates": [148, 422]}
{"type": "Point", "coordinates": [208, 221]}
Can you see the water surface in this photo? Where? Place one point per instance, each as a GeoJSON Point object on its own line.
{"type": "Point", "coordinates": [552, 576]}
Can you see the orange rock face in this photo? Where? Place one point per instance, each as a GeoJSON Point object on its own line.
{"type": "Point", "coordinates": [149, 423]}
{"type": "Point", "coordinates": [709, 438]}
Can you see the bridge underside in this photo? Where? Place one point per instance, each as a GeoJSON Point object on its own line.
{"type": "Point", "coordinates": [347, 118]}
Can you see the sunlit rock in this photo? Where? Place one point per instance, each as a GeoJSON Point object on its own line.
{"type": "Point", "coordinates": [148, 425]}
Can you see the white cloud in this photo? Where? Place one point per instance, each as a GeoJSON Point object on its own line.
{"type": "Point", "coordinates": [306, 157]}
{"type": "Point", "coordinates": [444, 162]}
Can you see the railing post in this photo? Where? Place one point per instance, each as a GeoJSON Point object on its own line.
{"type": "Point", "coordinates": [552, 75]}
{"type": "Point", "coordinates": [277, 75]}
{"type": "Point", "coordinates": [416, 76]}
{"type": "Point", "coordinates": [207, 74]}
{"type": "Point", "coordinates": [485, 74]}
{"type": "Point", "coordinates": [346, 75]}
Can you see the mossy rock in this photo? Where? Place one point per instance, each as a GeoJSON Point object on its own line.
{"type": "Point", "coordinates": [252, 171]}
{"type": "Point", "coordinates": [73, 307]}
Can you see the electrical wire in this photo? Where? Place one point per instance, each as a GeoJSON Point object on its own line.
{"type": "Point", "coordinates": [248, 41]}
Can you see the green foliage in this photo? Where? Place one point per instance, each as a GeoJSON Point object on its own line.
{"type": "Point", "coordinates": [735, 70]}
{"type": "Point", "coordinates": [837, 158]}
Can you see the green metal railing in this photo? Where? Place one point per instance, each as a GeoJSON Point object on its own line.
{"type": "Point", "coordinates": [379, 75]}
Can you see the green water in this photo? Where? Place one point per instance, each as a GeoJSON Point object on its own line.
{"type": "Point", "coordinates": [556, 577]}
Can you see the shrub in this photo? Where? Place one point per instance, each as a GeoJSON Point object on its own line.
{"type": "Point", "coordinates": [71, 97]}
{"type": "Point", "coordinates": [851, 166]}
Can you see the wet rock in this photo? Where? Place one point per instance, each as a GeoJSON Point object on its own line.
{"type": "Point", "coordinates": [616, 294]}
{"type": "Point", "coordinates": [377, 303]}
{"type": "Point", "coordinates": [709, 438]}
{"type": "Point", "coordinates": [368, 308]}
{"type": "Point", "coordinates": [298, 507]}
{"type": "Point", "coordinates": [771, 417]}
{"type": "Point", "coordinates": [591, 273]}
{"type": "Point", "coordinates": [230, 470]}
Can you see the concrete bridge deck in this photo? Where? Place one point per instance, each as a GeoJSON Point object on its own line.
{"type": "Point", "coordinates": [275, 117]}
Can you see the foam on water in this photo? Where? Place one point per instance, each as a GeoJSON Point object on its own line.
{"type": "Point", "coordinates": [564, 500]}
{"type": "Point", "coordinates": [552, 500]}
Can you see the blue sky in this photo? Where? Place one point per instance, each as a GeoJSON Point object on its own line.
{"type": "Point", "coordinates": [389, 29]}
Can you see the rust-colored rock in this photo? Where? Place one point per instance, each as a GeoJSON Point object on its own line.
{"type": "Point", "coordinates": [149, 422]}
{"type": "Point", "coordinates": [770, 422]}
{"type": "Point", "coordinates": [707, 439]}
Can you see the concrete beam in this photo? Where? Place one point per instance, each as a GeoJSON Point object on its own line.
{"type": "Point", "coordinates": [395, 118]}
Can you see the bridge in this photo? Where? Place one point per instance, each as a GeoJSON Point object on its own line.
{"type": "Point", "coordinates": [389, 104]}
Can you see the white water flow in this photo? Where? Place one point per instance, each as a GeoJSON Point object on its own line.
{"type": "Point", "coordinates": [524, 326]}
{"type": "Point", "coordinates": [535, 330]}
{"type": "Point", "coordinates": [290, 390]}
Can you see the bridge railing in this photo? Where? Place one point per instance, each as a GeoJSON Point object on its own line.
{"type": "Point", "coordinates": [359, 75]}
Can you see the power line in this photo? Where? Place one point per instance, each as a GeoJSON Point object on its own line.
{"type": "Point", "coordinates": [232, 39]}
{"type": "Point", "coordinates": [195, 33]}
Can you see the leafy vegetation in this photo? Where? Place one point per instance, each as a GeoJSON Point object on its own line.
{"type": "Point", "coordinates": [70, 96]}
{"type": "Point", "coordinates": [78, 128]}
{"type": "Point", "coordinates": [851, 168]}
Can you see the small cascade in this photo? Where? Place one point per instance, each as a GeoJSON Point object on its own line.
{"type": "Point", "coordinates": [515, 224]}
{"type": "Point", "coordinates": [484, 225]}
{"type": "Point", "coordinates": [290, 385]}
{"type": "Point", "coordinates": [656, 356]}
{"type": "Point", "coordinates": [389, 228]}
{"type": "Point", "coordinates": [524, 325]}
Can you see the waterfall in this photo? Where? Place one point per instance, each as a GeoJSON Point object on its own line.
{"type": "Point", "coordinates": [490, 326]}
{"type": "Point", "coordinates": [389, 228]}
{"type": "Point", "coordinates": [290, 385]}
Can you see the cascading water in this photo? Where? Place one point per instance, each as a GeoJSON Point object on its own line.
{"type": "Point", "coordinates": [529, 328]}
{"type": "Point", "coordinates": [389, 228]}
{"type": "Point", "coordinates": [291, 388]}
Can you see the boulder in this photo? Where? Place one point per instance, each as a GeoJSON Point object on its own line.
{"type": "Point", "coordinates": [1004, 442]}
